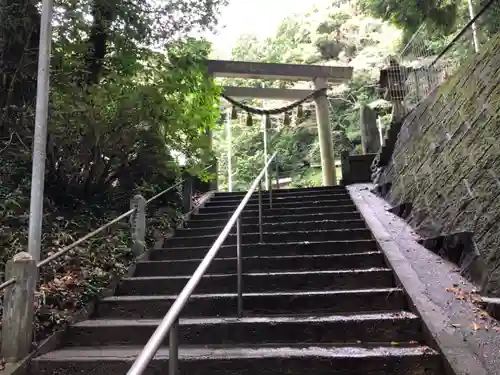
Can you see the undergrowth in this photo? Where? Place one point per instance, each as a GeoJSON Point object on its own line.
{"type": "Point", "coordinates": [67, 284]}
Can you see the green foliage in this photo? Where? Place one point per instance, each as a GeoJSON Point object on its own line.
{"type": "Point", "coordinates": [409, 15]}
{"type": "Point", "coordinates": [123, 131]}
{"type": "Point", "coordinates": [337, 35]}
{"type": "Point", "coordinates": [490, 20]}
{"type": "Point", "coordinates": [294, 144]}
{"type": "Point", "coordinates": [442, 19]}
{"type": "Point", "coordinates": [129, 94]}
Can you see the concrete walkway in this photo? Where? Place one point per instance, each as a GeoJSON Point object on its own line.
{"type": "Point", "coordinates": [469, 340]}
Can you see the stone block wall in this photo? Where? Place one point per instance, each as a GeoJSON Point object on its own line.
{"type": "Point", "coordinates": [446, 161]}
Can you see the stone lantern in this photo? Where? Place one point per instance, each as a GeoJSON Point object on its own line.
{"type": "Point", "coordinates": [392, 86]}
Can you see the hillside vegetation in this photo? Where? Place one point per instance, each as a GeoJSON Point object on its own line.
{"type": "Point", "coordinates": [119, 110]}
{"type": "Point", "coordinates": [336, 35]}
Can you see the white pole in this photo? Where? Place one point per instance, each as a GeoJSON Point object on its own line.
{"type": "Point", "coordinates": [229, 152]}
{"type": "Point", "coordinates": [40, 136]}
{"type": "Point", "coordinates": [379, 126]}
{"type": "Point", "coordinates": [264, 130]}
{"type": "Point", "coordinates": [474, 30]}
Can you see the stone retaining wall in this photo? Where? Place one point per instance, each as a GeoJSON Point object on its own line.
{"type": "Point", "coordinates": [446, 162]}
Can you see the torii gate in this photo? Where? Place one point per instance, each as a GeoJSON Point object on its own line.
{"type": "Point", "coordinates": [319, 75]}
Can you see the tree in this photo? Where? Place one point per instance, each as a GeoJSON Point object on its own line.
{"type": "Point", "coordinates": [442, 17]}
{"type": "Point", "coordinates": [118, 106]}
{"type": "Point", "coordinates": [126, 127]}
{"type": "Point", "coordinates": [19, 34]}
{"type": "Point", "coordinates": [128, 93]}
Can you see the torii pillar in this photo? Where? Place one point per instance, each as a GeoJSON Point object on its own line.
{"type": "Point", "coordinates": [325, 134]}
{"type": "Point", "coordinates": [320, 75]}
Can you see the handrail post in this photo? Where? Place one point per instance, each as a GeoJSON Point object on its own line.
{"type": "Point", "coordinates": [173, 349]}
{"type": "Point", "coordinates": [172, 316]}
{"type": "Point", "coordinates": [239, 268]}
{"type": "Point", "coordinates": [277, 173]}
{"type": "Point", "coordinates": [187, 192]}
{"type": "Point", "coordinates": [18, 307]}
{"type": "Point", "coordinates": [261, 234]}
{"type": "Point", "coordinates": [138, 224]}
{"type": "Point", "coordinates": [270, 195]}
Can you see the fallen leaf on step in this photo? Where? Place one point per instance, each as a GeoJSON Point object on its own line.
{"type": "Point", "coordinates": [476, 326]}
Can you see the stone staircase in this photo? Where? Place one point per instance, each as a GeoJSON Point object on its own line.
{"type": "Point", "coordinates": [318, 299]}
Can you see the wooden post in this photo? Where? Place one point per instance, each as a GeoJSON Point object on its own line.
{"type": "Point", "coordinates": [138, 224]}
{"type": "Point", "coordinates": [370, 137]}
{"type": "Point", "coordinates": [18, 307]}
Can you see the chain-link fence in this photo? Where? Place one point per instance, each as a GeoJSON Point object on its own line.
{"type": "Point", "coordinates": [428, 60]}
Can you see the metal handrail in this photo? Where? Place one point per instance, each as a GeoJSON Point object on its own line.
{"type": "Point", "coordinates": [170, 321]}
{"type": "Point", "coordinates": [99, 230]}
{"type": "Point", "coordinates": [7, 283]}
{"type": "Point", "coordinates": [92, 234]}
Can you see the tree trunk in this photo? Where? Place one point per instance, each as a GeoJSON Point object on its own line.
{"type": "Point", "coordinates": [103, 13]}
{"type": "Point", "coordinates": [19, 38]}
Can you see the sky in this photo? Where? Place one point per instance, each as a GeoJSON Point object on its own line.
{"type": "Point", "coordinates": [257, 17]}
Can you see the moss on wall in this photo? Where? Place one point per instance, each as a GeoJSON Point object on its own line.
{"type": "Point", "coordinates": [447, 160]}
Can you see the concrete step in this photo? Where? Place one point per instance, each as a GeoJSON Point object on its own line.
{"type": "Point", "coordinates": [317, 235]}
{"type": "Point", "coordinates": [270, 249]}
{"type": "Point", "coordinates": [263, 264]}
{"type": "Point", "coordinates": [256, 304]}
{"type": "Point", "coordinates": [398, 327]}
{"type": "Point", "coordinates": [202, 221]}
{"type": "Point", "coordinates": [276, 227]}
{"type": "Point", "coordinates": [251, 360]}
{"type": "Point", "coordinates": [276, 205]}
{"type": "Point", "coordinates": [254, 199]}
{"type": "Point", "coordinates": [282, 192]}
{"type": "Point", "coordinates": [259, 282]}
{"type": "Point", "coordinates": [207, 213]}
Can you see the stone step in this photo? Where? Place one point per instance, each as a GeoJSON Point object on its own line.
{"type": "Point", "coordinates": [254, 199]}
{"type": "Point", "coordinates": [317, 235]}
{"type": "Point", "coordinates": [201, 221]}
{"type": "Point", "coordinates": [256, 304]}
{"type": "Point", "coordinates": [263, 264]}
{"type": "Point", "coordinates": [262, 282]}
{"type": "Point", "coordinates": [263, 360]}
{"type": "Point", "coordinates": [397, 326]}
{"type": "Point", "coordinates": [276, 205]}
{"type": "Point", "coordinates": [293, 191]}
{"type": "Point", "coordinates": [276, 227]}
{"type": "Point", "coordinates": [206, 213]}
{"type": "Point", "coordinates": [270, 249]}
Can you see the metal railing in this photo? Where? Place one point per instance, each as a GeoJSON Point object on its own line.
{"type": "Point", "coordinates": [424, 64]}
{"type": "Point", "coordinates": [170, 322]}
{"type": "Point", "coordinates": [92, 234]}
